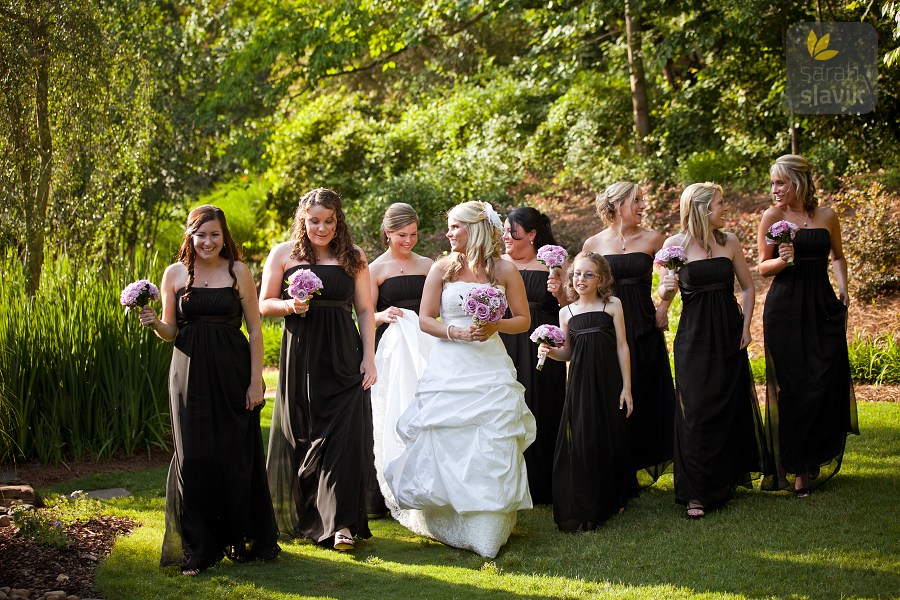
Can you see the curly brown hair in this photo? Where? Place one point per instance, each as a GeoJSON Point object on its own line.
{"type": "Point", "coordinates": [345, 252]}
{"type": "Point", "coordinates": [186, 253]}
{"type": "Point", "coordinates": [606, 285]}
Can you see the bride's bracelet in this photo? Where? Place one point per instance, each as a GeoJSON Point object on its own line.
{"type": "Point", "coordinates": [449, 327]}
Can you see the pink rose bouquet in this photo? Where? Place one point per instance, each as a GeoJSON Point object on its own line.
{"type": "Point", "coordinates": [138, 294]}
{"type": "Point", "coordinates": [550, 335]}
{"type": "Point", "coordinates": [485, 303]}
{"type": "Point", "coordinates": [782, 232]}
{"type": "Point", "coordinates": [552, 256]}
{"type": "Point", "coordinates": [671, 258]}
{"type": "Point", "coordinates": [303, 284]}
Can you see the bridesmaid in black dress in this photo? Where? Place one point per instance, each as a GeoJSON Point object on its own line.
{"type": "Point", "coordinates": [718, 429]}
{"type": "Point", "coordinates": [217, 500]}
{"type": "Point", "coordinates": [397, 279]}
{"type": "Point", "coordinates": [810, 404]}
{"type": "Point", "coordinates": [629, 249]}
{"type": "Point", "coordinates": [524, 232]}
{"type": "Point", "coordinates": [592, 474]}
{"type": "Point", "coordinates": [317, 450]}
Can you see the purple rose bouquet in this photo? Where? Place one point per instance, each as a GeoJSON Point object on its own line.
{"type": "Point", "coordinates": [303, 284]}
{"type": "Point", "coordinates": [138, 294]}
{"type": "Point", "coordinates": [550, 335]}
{"type": "Point", "coordinates": [782, 232]}
{"type": "Point", "coordinates": [552, 256]}
{"type": "Point", "coordinates": [485, 303]}
{"type": "Point", "coordinates": [671, 258]}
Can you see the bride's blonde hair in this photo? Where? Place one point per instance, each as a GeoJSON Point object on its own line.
{"type": "Point", "coordinates": [484, 246]}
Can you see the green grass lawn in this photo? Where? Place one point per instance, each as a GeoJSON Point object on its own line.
{"type": "Point", "coordinates": [842, 542]}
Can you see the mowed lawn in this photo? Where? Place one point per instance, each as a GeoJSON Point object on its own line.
{"type": "Point", "coordinates": [842, 542]}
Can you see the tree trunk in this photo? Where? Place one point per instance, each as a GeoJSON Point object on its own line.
{"type": "Point", "coordinates": [34, 242]}
{"type": "Point", "coordinates": [636, 76]}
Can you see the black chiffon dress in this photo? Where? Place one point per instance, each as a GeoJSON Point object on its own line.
{"type": "Point", "coordinates": [545, 390]}
{"type": "Point", "coordinates": [217, 500]}
{"type": "Point", "coordinates": [592, 474]}
{"type": "Point", "coordinates": [718, 428]}
{"type": "Point", "coordinates": [402, 291]}
{"type": "Point", "coordinates": [316, 442]}
{"type": "Point", "coordinates": [810, 404]}
{"type": "Point", "coordinates": [651, 424]}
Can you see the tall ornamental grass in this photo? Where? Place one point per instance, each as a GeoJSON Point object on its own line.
{"type": "Point", "coordinates": [78, 377]}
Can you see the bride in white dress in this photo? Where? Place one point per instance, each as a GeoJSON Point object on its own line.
{"type": "Point", "coordinates": [452, 468]}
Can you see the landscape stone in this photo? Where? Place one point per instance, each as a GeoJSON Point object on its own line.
{"type": "Point", "coordinates": [107, 494]}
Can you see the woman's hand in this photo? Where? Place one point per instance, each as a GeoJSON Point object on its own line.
{"type": "Point", "coordinates": [669, 283]}
{"type": "Point", "coordinates": [388, 316]}
{"type": "Point", "coordinates": [148, 317]}
{"type": "Point", "coordinates": [255, 395]}
{"type": "Point", "coordinates": [483, 332]}
{"type": "Point", "coordinates": [543, 350]}
{"type": "Point", "coordinates": [746, 338]}
{"type": "Point", "coordinates": [786, 252]}
{"type": "Point", "coordinates": [367, 368]}
{"type": "Point", "coordinates": [554, 283]}
{"type": "Point", "coordinates": [626, 402]}
{"type": "Point", "coordinates": [662, 317]}
{"type": "Point", "coordinates": [297, 307]}
{"type": "Point", "coordinates": [844, 295]}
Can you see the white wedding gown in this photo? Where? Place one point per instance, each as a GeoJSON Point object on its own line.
{"type": "Point", "coordinates": [449, 450]}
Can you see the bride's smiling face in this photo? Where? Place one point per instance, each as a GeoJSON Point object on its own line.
{"type": "Point", "coordinates": [457, 234]}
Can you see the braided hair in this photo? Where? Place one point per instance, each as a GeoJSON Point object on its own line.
{"type": "Point", "coordinates": [186, 253]}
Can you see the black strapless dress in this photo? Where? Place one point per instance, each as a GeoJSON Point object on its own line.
{"type": "Point", "coordinates": [545, 390]}
{"type": "Point", "coordinates": [718, 428]}
{"type": "Point", "coordinates": [651, 425]}
{"type": "Point", "coordinates": [810, 404]}
{"type": "Point", "coordinates": [316, 461]}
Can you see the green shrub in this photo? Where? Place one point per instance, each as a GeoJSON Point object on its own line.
{"type": "Point", "coordinates": [46, 526]}
{"type": "Point", "coordinates": [80, 377]}
{"type": "Point", "coordinates": [875, 360]}
{"type": "Point", "coordinates": [272, 332]}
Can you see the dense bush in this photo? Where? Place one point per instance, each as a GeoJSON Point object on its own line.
{"type": "Point", "coordinates": [78, 376]}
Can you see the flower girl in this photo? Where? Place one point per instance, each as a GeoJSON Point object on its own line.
{"type": "Point", "coordinates": [592, 474]}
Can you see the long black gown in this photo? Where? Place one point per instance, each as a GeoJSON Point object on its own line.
{"type": "Point", "coordinates": [651, 424]}
{"type": "Point", "coordinates": [316, 442]}
{"type": "Point", "coordinates": [810, 404]}
{"type": "Point", "coordinates": [402, 291]}
{"type": "Point", "coordinates": [545, 390]}
{"type": "Point", "coordinates": [718, 429]}
{"type": "Point", "coordinates": [592, 474]}
{"type": "Point", "coordinates": [217, 500]}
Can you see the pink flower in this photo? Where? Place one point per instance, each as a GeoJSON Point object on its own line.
{"type": "Point", "coordinates": [550, 335]}
{"type": "Point", "coordinates": [781, 232]}
{"type": "Point", "coordinates": [138, 294]}
{"type": "Point", "coordinates": [552, 256]}
{"type": "Point", "coordinates": [671, 257]}
{"type": "Point", "coordinates": [485, 303]}
{"type": "Point", "coordinates": [303, 284]}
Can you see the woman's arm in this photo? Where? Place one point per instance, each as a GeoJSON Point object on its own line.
{"type": "Point", "coordinates": [165, 328]}
{"type": "Point", "coordinates": [509, 277]}
{"type": "Point", "coordinates": [625, 400]}
{"type": "Point", "coordinates": [770, 262]}
{"type": "Point", "coordinates": [745, 279]}
{"type": "Point", "coordinates": [246, 288]}
{"type": "Point", "coordinates": [668, 284]}
{"type": "Point", "coordinates": [430, 307]}
{"type": "Point", "coordinates": [365, 316]}
{"type": "Point", "coordinates": [838, 261]}
{"type": "Point", "coordinates": [270, 302]}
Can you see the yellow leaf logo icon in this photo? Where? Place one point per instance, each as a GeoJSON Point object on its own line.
{"type": "Point", "coordinates": [818, 46]}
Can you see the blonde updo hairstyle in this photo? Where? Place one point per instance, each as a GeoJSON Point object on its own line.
{"type": "Point", "coordinates": [397, 216]}
{"type": "Point", "coordinates": [615, 195]}
{"type": "Point", "coordinates": [696, 200]}
{"type": "Point", "coordinates": [798, 171]}
{"type": "Point", "coordinates": [485, 242]}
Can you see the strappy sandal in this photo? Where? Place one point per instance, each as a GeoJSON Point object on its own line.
{"type": "Point", "coordinates": [343, 542]}
{"type": "Point", "coordinates": [695, 510]}
{"type": "Point", "coordinates": [190, 572]}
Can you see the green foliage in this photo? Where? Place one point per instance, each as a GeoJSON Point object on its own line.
{"type": "Point", "coordinates": [244, 202]}
{"type": "Point", "coordinates": [871, 233]}
{"type": "Point", "coordinates": [46, 526]}
{"type": "Point", "coordinates": [875, 360]}
{"type": "Point", "coordinates": [272, 333]}
{"type": "Point", "coordinates": [81, 377]}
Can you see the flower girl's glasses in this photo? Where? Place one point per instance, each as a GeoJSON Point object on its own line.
{"type": "Point", "coordinates": [586, 276]}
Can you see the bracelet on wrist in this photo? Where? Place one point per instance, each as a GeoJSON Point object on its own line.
{"type": "Point", "coordinates": [449, 327]}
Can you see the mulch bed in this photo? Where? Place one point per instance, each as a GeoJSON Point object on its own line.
{"type": "Point", "coordinates": [27, 565]}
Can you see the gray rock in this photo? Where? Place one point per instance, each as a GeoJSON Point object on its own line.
{"type": "Point", "coordinates": [107, 494]}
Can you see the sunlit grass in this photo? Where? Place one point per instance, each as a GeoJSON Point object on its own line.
{"type": "Point", "coordinates": [842, 542]}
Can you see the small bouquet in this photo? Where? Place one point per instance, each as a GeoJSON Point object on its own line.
{"type": "Point", "coordinates": [550, 335]}
{"type": "Point", "coordinates": [552, 256]}
{"type": "Point", "coordinates": [782, 232]}
{"type": "Point", "coordinates": [671, 258]}
{"type": "Point", "coordinates": [485, 303]}
{"type": "Point", "coordinates": [138, 294]}
{"type": "Point", "coordinates": [303, 284]}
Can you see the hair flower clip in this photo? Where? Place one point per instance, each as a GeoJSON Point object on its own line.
{"type": "Point", "coordinates": [492, 216]}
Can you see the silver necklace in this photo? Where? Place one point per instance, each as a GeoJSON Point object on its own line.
{"type": "Point", "coordinates": [624, 237]}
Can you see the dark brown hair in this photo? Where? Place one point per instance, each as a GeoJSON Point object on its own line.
{"type": "Point", "coordinates": [347, 255]}
{"type": "Point", "coordinates": [186, 253]}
